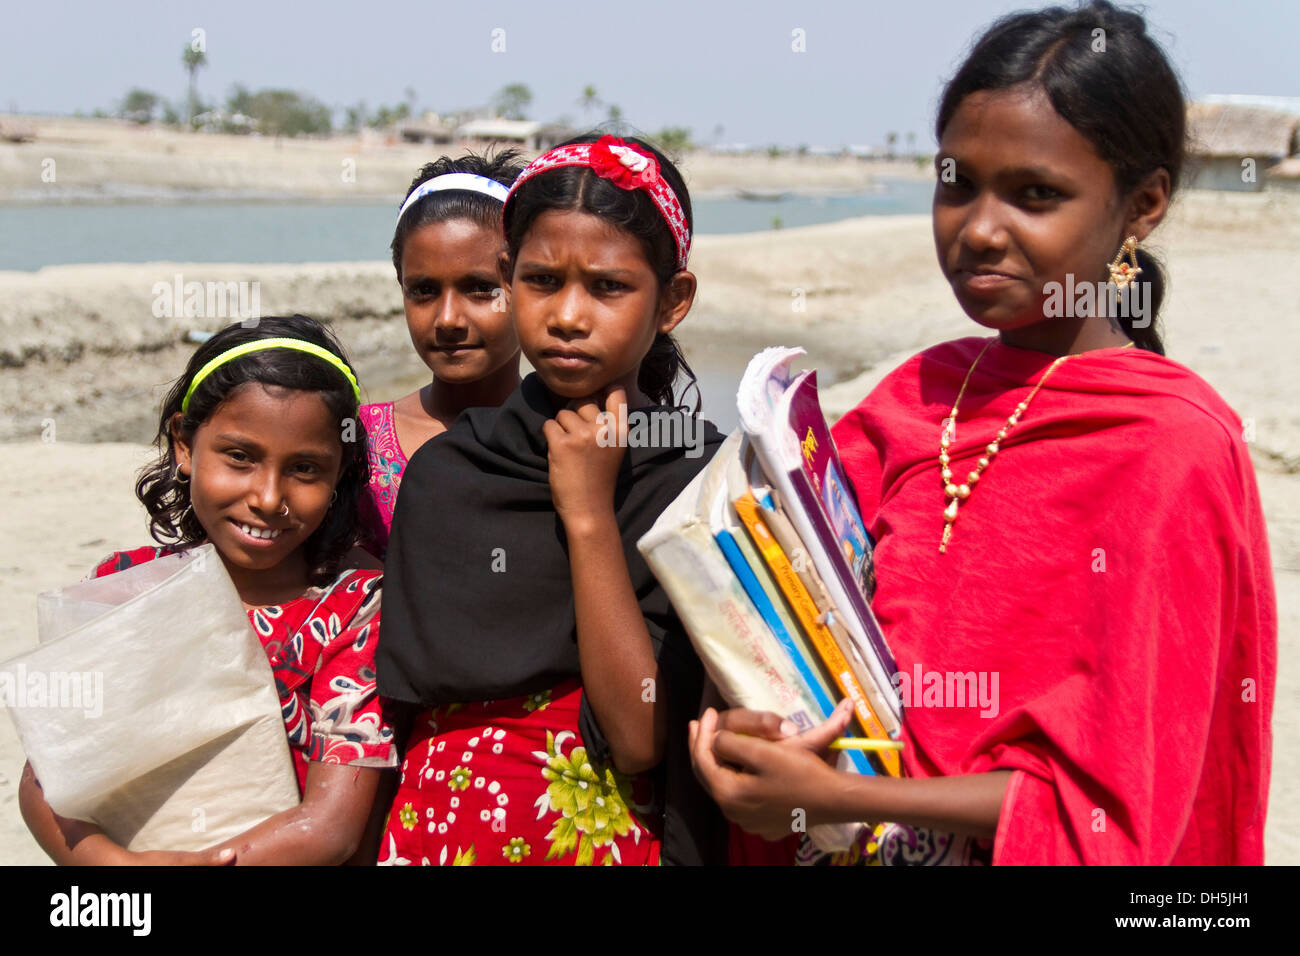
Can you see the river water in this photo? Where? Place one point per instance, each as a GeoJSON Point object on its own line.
{"type": "Point", "coordinates": [37, 235]}
{"type": "Point", "coordinates": [34, 235]}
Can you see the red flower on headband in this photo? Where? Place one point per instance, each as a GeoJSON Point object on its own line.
{"type": "Point", "coordinates": [622, 164]}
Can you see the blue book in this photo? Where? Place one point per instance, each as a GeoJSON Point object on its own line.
{"type": "Point", "coordinates": [728, 534]}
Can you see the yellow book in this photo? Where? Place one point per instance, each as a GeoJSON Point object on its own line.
{"type": "Point", "coordinates": [788, 538]}
{"type": "Point", "coordinates": [805, 608]}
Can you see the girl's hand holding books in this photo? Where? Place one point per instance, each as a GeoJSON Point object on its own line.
{"type": "Point", "coordinates": [584, 454]}
{"type": "Point", "coordinates": [761, 775]}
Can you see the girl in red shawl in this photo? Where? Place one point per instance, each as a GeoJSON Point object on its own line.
{"type": "Point", "coordinates": [1061, 511]}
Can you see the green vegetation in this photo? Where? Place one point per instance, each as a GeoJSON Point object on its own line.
{"type": "Point", "coordinates": [388, 115]}
{"type": "Point", "coordinates": [286, 113]}
{"type": "Point", "coordinates": [274, 112]}
{"type": "Point", "coordinates": [139, 105]}
{"type": "Point", "coordinates": [193, 60]}
{"type": "Point", "coordinates": [511, 101]}
{"type": "Point", "coordinates": [674, 140]}
{"type": "Point", "coordinates": [589, 101]}
{"type": "Point", "coordinates": [239, 101]}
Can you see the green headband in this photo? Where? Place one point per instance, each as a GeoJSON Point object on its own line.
{"type": "Point", "coordinates": [258, 345]}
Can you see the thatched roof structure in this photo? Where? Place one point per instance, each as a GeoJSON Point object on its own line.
{"type": "Point", "coordinates": [13, 130]}
{"type": "Point", "coordinates": [1288, 169]}
{"type": "Point", "coordinates": [1226, 129]}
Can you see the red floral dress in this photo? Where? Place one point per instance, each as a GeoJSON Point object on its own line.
{"type": "Point", "coordinates": [322, 651]}
{"type": "Point", "coordinates": [509, 782]}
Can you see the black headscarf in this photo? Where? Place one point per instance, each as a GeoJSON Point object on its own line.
{"type": "Point", "coordinates": [478, 598]}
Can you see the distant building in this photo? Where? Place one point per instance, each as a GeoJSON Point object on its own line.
{"type": "Point", "coordinates": [1285, 175]}
{"type": "Point", "coordinates": [1233, 144]}
{"type": "Point", "coordinates": [1287, 104]}
{"type": "Point", "coordinates": [219, 121]}
{"type": "Point", "coordinates": [865, 151]}
{"type": "Point", "coordinates": [550, 136]}
{"type": "Point", "coordinates": [528, 135]}
{"type": "Point", "coordinates": [430, 128]}
{"type": "Point", "coordinates": [15, 130]}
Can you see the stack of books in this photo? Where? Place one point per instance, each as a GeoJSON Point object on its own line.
{"type": "Point", "coordinates": [767, 562]}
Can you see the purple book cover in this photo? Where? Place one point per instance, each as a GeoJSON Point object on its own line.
{"type": "Point", "coordinates": [824, 492]}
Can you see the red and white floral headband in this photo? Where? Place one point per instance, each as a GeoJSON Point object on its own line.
{"type": "Point", "coordinates": [627, 167]}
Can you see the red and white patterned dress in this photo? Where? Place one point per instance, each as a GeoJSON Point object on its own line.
{"type": "Point", "coordinates": [510, 782]}
{"type": "Point", "coordinates": [321, 647]}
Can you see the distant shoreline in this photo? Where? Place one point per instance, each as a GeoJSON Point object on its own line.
{"type": "Point", "coordinates": [91, 157]}
{"type": "Point", "coordinates": [111, 195]}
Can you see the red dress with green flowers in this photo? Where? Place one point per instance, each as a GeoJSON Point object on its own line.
{"type": "Point", "coordinates": [509, 781]}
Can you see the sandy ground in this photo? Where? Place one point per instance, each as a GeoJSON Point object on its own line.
{"type": "Point", "coordinates": [82, 359]}
{"type": "Point", "coordinates": [110, 160]}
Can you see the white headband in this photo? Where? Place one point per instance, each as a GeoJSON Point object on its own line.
{"type": "Point", "coordinates": [475, 184]}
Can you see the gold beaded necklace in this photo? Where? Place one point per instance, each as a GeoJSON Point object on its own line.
{"type": "Point", "coordinates": [958, 493]}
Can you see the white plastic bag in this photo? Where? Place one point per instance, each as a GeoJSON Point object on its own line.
{"type": "Point", "coordinates": [175, 740]}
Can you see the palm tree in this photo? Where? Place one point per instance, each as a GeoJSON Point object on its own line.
{"type": "Point", "coordinates": [194, 60]}
{"type": "Point", "coordinates": [589, 101]}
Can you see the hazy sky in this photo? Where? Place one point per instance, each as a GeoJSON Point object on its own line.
{"type": "Point", "coordinates": [870, 67]}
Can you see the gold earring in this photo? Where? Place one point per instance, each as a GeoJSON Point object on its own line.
{"type": "Point", "coordinates": [1122, 273]}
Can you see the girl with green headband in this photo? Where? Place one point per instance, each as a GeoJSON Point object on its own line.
{"type": "Point", "coordinates": [263, 456]}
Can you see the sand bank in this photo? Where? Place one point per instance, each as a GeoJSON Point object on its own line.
{"type": "Point", "coordinates": [113, 160]}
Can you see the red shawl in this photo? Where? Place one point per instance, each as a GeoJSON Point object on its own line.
{"type": "Point", "coordinates": [1111, 569]}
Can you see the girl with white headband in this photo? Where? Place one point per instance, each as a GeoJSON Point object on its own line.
{"type": "Point", "coordinates": [445, 249]}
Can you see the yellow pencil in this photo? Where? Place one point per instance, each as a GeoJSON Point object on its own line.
{"type": "Point", "coordinates": [864, 743]}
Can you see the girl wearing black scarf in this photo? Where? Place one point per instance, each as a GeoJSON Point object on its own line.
{"type": "Point", "coordinates": [553, 681]}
